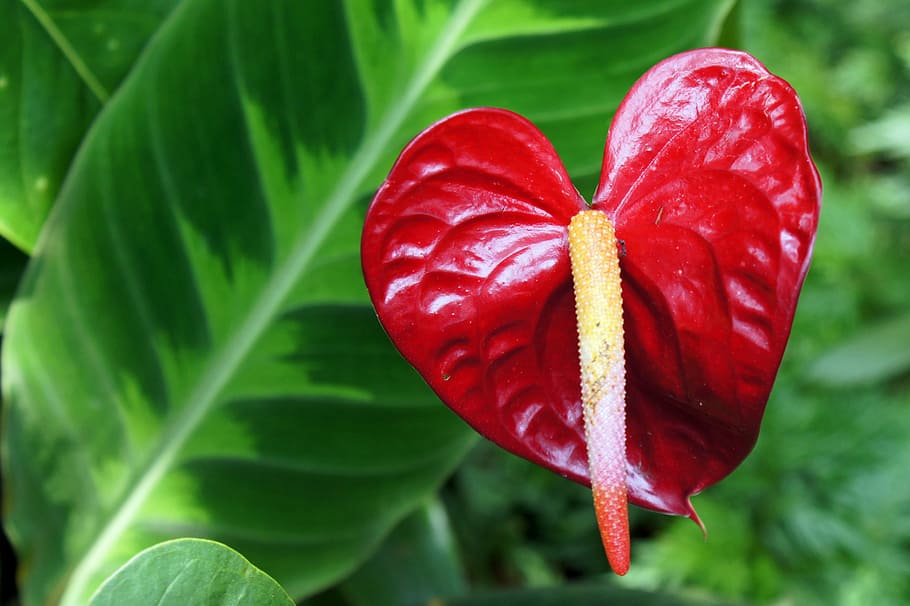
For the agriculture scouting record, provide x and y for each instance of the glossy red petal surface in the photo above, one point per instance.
(465, 256)
(708, 178)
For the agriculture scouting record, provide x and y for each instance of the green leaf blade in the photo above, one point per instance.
(417, 564)
(58, 67)
(190, 571)
(879, 353)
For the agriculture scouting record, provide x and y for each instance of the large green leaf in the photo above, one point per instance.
(190, 571)
(59, 64)
(192, 351)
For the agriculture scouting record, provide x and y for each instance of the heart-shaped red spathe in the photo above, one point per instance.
(708, 180)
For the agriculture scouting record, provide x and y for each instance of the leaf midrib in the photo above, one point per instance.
(225, 362)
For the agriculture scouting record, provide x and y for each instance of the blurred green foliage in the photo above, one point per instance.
(820, 512)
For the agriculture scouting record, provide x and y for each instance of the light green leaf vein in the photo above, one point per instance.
(74, 58)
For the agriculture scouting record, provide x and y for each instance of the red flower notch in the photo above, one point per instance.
(708, 183)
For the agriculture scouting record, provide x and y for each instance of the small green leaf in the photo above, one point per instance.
(193, 572)
(889, 135)
(878, 353)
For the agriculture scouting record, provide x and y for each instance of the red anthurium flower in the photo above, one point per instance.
(470, 246)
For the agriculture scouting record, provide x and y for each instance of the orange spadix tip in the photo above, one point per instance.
(601, 352)
(611, 509)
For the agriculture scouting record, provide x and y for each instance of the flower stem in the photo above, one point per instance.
(598, 307)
